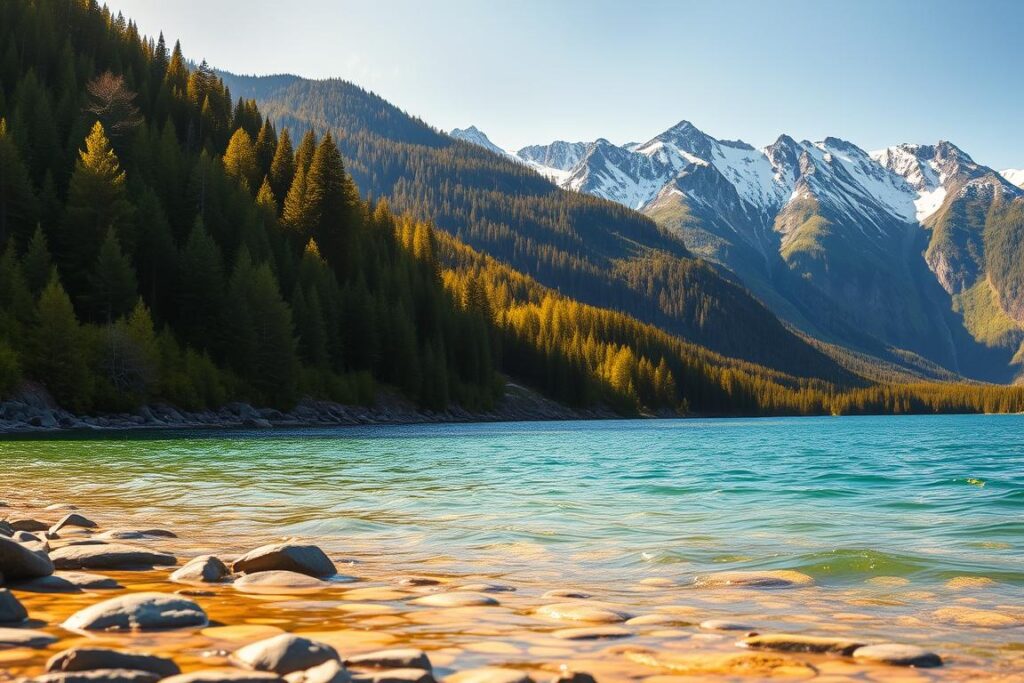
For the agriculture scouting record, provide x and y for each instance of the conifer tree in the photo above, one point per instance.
(330, 203)
(114, 287)
(240, 159)
(282, 167)
(295, 214)
(17, 201)
(266, 148)
(37, 264)
(305, 151)
(57, 354)
(201, 290)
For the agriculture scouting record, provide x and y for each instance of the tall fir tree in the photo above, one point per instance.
(240, 159)
(114, 289)
(282, 166)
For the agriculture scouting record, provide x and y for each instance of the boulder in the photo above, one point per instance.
(72, 519)
(225, 676)
(11, 611)
(23, 637)
(898, 655)
(291, 557)
(328, 672)
(91, 658)
(28, 525)
(98, 676)
(202, 569)
(68, 582)
(400, 658)
(138, 612)
(283, 654)
(108, 556)
(20, 562)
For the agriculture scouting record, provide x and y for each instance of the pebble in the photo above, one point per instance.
(72, 519)
(393, 676)
(278, 581)
(562, 593)
(20, 562)
(11, 610)
(573, 677)
(28, 525)
(135, 534)
(418, 581)
(724, 625)
(401, 658)
(283, 654)
(108, 556)
(489, 675)
(293, 557)
(68, 582)
(89, 658)
(328, 672)
(575, 611)
(98, 676)
(786, 642)
(783, 578)
(138, 612)
(592, 633)
(23, 637)
(455, 599)
(898, 655)
(487, 588)
(202, 569)
(657, 620)
(225, 676)
(969, 616)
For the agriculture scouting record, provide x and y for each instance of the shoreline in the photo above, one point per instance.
(480, 626)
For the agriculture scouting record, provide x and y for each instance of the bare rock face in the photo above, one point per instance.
(284, 654)
(18, 561)
(291, 557)
(138, 612)
(92, 658)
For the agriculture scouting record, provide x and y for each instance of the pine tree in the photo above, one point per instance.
(295, 214)
(201, 290)
(240, 159)
(114, 288)
(97, 203)
(305, 151)
(58, 356)
(266, 148)
(17, 202)
(331, 204)
(37, 263)
(282, 167)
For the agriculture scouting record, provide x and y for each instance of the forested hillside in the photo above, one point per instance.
(593, 250)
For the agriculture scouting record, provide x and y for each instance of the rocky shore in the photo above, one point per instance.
(87, 602)
(31, 409)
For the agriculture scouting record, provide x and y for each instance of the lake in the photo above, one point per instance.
(912, 528)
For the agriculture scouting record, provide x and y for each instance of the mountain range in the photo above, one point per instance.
(913, 248)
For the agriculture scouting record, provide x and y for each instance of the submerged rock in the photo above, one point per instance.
(225, 676)
(138, 612)
(898, 655)
(11, 610)
(724, 625)
(108, 556)
(786, 642)
(328, 672)
(399, 658)
(18, 561)
(292, 557)
(68, 582)
(457, 599)
(90, 658)
(73, 519)
(489, 675)
(581, 611)
(202, 569)
(284, 654)
(23, 637)
(782, 578)
(563, 593)
(278, 581)
(592, 633)
(98, 676)
(28, 524)
(134, 534)
(970, 616)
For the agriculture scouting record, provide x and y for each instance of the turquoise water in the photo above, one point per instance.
(843, 499)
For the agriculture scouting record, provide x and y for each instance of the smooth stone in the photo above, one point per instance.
(399, 658)
(134, 534)
(292, 557)
(418, 581)
(225, 676)
(28, 537)
(283, 654)
(20, 562)
(786, 642)
(393, 676)
(23, 637)
(202, 569)
(28, 525)
(783, 578)
(573, 677)
(73, 519)
(657, 620)
(489, 674)
(98, 676)
(5, 528)
(737, 666)
(898, 655)
(138, 612)
(55, 507)
(454, 599)
(969, 616)
(90, 658)
(487, 588)
(271, 581)
(68, 582)
(724, 625)
(11, 610)
(562, 593)
(108, 556)
(328, 672)
(577, 611)
(968, 582)
(592, 633)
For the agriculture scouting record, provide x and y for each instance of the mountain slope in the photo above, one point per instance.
(569, 241)
(870, 251)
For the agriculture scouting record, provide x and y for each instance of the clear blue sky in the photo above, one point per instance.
(876, 72)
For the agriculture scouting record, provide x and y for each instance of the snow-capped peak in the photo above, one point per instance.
(1014, 175)
(477, 137)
